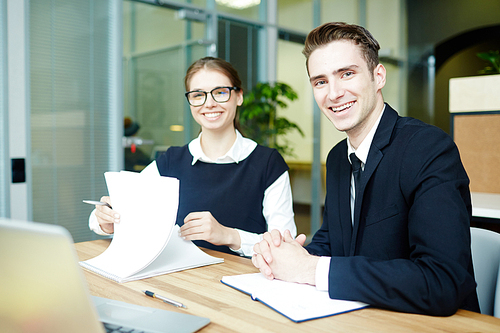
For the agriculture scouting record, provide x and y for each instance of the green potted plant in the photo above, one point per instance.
(258, 116)
(493, 57)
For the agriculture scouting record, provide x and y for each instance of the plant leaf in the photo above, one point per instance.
(257, 115)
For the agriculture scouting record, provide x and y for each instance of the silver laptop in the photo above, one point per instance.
(42, 289)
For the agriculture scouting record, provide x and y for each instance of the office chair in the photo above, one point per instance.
(496, 306)
(485, 246)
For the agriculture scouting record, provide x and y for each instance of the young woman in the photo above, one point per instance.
(231, 189)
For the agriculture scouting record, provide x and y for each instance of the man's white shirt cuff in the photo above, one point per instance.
(322, 272)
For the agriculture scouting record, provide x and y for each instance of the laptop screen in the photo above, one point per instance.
(42, 289)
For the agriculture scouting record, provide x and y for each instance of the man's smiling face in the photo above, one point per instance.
(345, 89)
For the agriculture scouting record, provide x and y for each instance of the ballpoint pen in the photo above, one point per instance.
(164, 299)
(100, 203)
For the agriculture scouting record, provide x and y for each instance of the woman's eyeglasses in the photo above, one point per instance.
(219, 94)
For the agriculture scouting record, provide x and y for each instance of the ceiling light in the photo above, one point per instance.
(177, 128)
(238, 4)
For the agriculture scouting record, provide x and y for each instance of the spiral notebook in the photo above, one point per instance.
(146, 242)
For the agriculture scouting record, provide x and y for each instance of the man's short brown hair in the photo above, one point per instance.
(334, 31)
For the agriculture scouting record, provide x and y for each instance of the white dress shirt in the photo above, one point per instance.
(277, 204)
(323, 266)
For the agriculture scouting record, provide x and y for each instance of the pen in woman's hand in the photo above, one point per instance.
(99, 203)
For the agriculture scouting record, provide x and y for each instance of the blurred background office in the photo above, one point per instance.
(71, 71)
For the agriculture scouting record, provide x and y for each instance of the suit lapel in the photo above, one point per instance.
(381, 139)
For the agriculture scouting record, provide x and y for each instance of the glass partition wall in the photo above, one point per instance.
(159, 46)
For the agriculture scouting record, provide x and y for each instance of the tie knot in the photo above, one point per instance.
(355, 162)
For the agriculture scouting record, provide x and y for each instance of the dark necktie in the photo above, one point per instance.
(356, 171)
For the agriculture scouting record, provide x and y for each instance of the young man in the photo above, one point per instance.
(398, 235)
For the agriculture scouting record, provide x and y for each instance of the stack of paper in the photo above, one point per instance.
(146, 241)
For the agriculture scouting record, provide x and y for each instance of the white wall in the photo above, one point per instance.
(17, 53)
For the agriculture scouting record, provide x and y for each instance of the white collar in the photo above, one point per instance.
(364, 147)
(242, 147)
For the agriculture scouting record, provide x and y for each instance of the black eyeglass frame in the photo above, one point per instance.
(211, 93)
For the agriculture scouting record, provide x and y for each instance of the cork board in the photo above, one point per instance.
(478, 139)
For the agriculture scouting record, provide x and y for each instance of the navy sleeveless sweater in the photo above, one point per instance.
(232, 192)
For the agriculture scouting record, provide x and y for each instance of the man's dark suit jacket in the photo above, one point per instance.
(409, 248)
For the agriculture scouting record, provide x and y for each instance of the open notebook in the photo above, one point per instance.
(146, 241)
(298, 302)
(43, 290)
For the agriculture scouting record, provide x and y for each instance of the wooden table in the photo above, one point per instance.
(232, 311)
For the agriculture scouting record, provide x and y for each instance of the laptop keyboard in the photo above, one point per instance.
(110, 328)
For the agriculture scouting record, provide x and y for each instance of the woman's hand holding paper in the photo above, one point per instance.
(203, 226)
